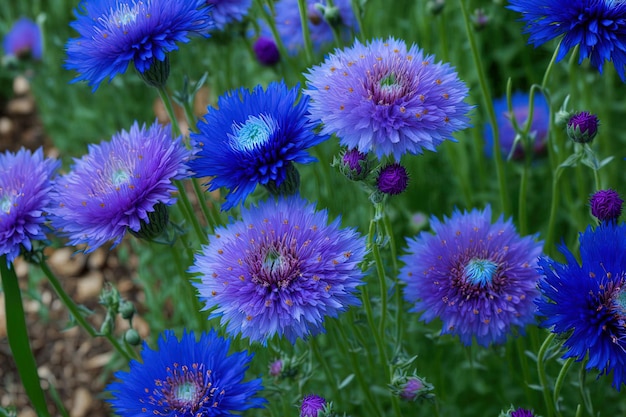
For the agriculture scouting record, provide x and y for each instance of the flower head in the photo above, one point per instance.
(252, 138)
(538, 128)
(582, 127)
(387, 99)
(355, 165)
(597, 27)
(289, 27)
(25, 184)
(392, 179)
(311, 405)
(186, 377)
(606, 205)
(520, 412)
(586, 302)
(117, 185)
(279, 271)
(478, 277)
(228, 11)
(24, 38)
(114, 33)
(266, 51)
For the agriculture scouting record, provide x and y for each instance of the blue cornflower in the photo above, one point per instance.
(118, 184)
(538, 128)
(586, 302)
(25, 184)
(24, 38)
(114, 33)
(228, 11)
(597, 27)
(280, 270)
(385, 98)
(251, 138)
(186, 377)
(478, 277)
(289, 27)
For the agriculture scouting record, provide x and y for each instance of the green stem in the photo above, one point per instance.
(497, 155)
(75, 311)
(559, 384)
(306, 34)
(330, 378)
(553, 209)
(18, 337)
(542, 373)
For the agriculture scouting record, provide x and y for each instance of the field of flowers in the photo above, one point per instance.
(337, 207)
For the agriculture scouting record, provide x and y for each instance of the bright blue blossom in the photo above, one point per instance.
(23, 38)
(385, 98)
(280, 270)
(186, 377)
(586, 302)
(228, 11)
(118, 184)
(114, 33)
(538, 128)
(25, 184)
(597, 27)
(478, 277)
(251, 138)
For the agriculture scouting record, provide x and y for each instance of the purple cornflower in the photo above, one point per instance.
(538, 128)
(25, 184)
(392, 179)
(228, 11)
(288, 25)
(387, 99)
(311, 405)
(478, 277)
(606, 205)
(24, 38)
(520, 412)
(582, 127)
(266, 51)
(280, 270)
(186, 377)
(276, 368)
(253, 137)
(586, 303)
(118, 184)
(355, 165)
(597, 27)
(114, 33)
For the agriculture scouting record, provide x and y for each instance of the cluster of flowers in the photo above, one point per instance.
(285, 267)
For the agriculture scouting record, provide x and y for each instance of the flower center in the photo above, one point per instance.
(620, 300)
(5, 204)
(254, 133)
(480, 272)
(119, 177)
(126, 14)
(185, 390)
(274, 264)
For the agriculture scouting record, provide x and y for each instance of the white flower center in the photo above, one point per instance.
(480, 271)
(254, 133)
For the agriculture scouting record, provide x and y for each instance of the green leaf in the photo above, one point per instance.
(18, 338)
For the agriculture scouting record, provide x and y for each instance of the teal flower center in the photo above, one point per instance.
(6, 204)
(389, 83)
(120, 177)
(255, 132)
(620, 300)
(186, 392)
(480, 272)
(273, 261)
(126, 14)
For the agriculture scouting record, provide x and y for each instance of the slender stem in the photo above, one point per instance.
(559, 384)
(497, 155)
(306, 34)
(330, 378)
(18, 338)
(169, 108)
(542, 373)
(75, 311)
(553, 208)
(380, 271)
